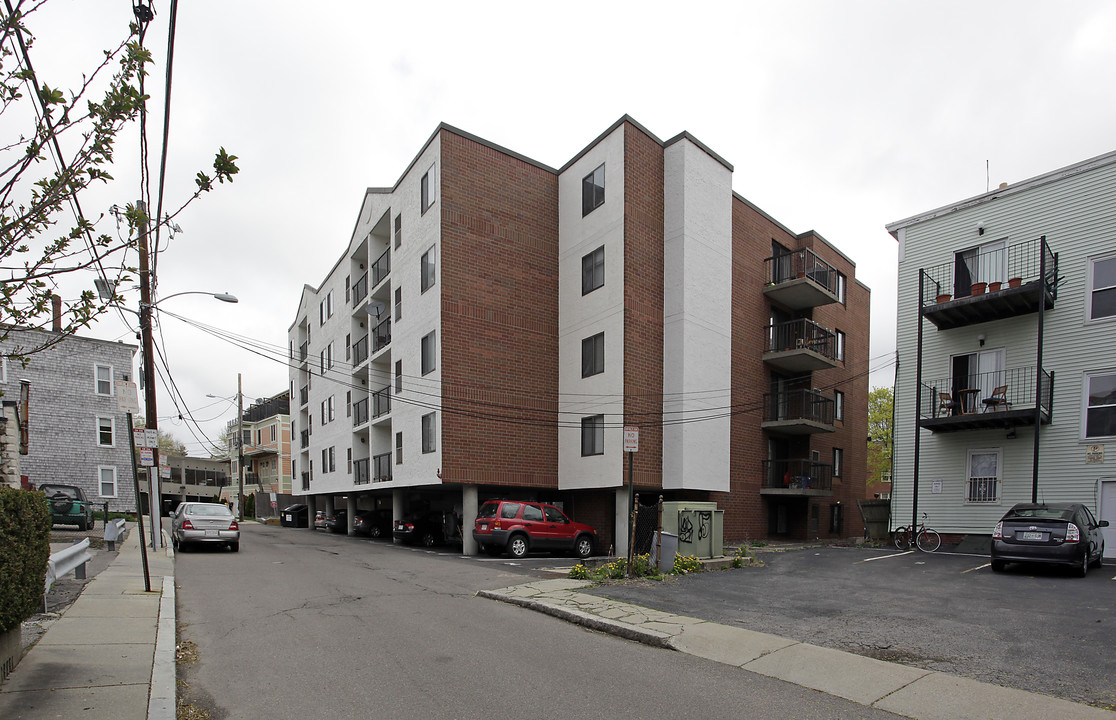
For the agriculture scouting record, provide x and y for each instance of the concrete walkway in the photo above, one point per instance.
(111, 653)
(900, 689)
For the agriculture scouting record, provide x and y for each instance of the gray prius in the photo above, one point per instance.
(204, 523)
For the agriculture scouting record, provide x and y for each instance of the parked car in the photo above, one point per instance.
(1058, 533)
(338, 522)
(426, 528)
(518, 527)
(204, 523)
(320, 520)
(373, 523)
(294, 516)
(68, 505)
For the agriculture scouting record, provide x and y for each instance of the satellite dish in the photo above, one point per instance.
(377, 307)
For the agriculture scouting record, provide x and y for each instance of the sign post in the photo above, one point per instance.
(631, 447)
(127, 402)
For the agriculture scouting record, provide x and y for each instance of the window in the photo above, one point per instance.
(1102, 288)
(398, 376)
(841, 288)
(259, 437)
(398, 231)
(321, 363)
(838, 457)
(592, 355)
(1100, 404)
(985, 263)
(398, 304)
(348, 461)
(533, 513)
(592, 435)
(271, 432)
(325, 459)
(592, 191)
(428, 189)
(329, 356)
(349, 403)
(838, 405)
(330, 407)
(332, 459)
(840, 354)
(103, 376)
(105, 427)
(592, 271)
(106, 477)
(428, 350)
(348, 288)
(399, 448)
(325, 308)
(984, 476)
(428, 430)
(427, 269)
(4, 369)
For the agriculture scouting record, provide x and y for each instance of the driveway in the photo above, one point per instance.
(1036, 629)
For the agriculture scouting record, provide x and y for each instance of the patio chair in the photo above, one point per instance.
(946, 403)
(997, 400)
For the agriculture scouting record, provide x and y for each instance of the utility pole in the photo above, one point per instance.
(240, 446)
(154, 497)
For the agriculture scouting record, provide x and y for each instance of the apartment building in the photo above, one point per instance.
(494, 324)
(265, 429)
(76, 435)
(1006, 390)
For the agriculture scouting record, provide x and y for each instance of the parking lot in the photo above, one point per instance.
(1037, 629)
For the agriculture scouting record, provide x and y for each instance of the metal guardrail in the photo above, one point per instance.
(1010, 265)
(114, 531)
(803, 262)
(63, 562)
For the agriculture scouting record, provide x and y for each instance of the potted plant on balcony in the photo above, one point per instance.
(994, 286)
(944, 297)
(979, 288)
(1015, 282)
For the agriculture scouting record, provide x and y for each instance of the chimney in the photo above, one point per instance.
(56, 301)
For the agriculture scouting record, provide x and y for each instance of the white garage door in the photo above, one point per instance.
(1108, 512)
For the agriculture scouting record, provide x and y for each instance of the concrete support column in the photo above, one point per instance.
(621, 522)
(468, 518)
(350, 515)
(396, 507)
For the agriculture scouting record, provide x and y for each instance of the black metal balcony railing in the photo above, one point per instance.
(304, 439)
(1017, 264)
(803, 263)
(808, 405)
(970, 397)
(303, 395)
(303, 351)
(381, 268)
(381, 467)
(381, 335)
(360, 472)
(305, 481)
(360, 289)
(801, 334)
(360, 351)
(360, 412)
(797, 474)
(381, 401)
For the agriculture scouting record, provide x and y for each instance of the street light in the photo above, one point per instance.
(239, 447)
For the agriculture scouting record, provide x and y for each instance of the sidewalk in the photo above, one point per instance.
(901, 689)
(111, 654)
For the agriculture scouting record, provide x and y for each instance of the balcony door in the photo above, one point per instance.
(980, 371)
(985, 263)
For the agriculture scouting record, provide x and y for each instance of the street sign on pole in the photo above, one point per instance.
(631, 439)
(147, 458)
(146, 438)
(127, 398)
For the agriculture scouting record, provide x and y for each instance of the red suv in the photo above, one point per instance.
(519, 527)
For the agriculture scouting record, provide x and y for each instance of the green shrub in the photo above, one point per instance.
(24, 552)
(579, 572)
(684, 564)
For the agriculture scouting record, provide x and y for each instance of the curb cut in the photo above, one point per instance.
(593, 622)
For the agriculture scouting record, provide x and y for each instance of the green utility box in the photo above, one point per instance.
(700, 527)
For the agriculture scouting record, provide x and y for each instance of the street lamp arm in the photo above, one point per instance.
(223, 297)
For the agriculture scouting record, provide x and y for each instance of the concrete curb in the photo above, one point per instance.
(162, 700)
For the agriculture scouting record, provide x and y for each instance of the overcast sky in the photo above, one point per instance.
(838, 117)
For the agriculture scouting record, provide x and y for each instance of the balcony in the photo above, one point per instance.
(800, 280)
(360, 472)
(381, 336)
(303, 351)
(381, 467)
(360, 290)
(381, 401)
(990, 285)
(303, 395)
(360, 412)
(304, 439)
(800, 346)
(797, 478)
(971, 402)
(305, 481)
(381, 268)
(360, 351)
(797, 412)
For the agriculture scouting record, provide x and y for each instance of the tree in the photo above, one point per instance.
(880, 403)
(222, 449)
(41, 184)
(170, 445)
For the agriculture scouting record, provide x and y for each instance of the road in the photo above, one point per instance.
(301, 624)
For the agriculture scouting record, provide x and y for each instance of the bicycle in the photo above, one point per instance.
(926, 540)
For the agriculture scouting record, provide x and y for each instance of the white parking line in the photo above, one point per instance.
(884, 557)
(978, 567)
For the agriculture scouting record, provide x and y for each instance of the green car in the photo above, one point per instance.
(68, 506)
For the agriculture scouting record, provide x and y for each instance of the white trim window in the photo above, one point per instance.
(426, 281)
(106, 481)
(106, 431)
(102, 380)
(593, 190)
(429, 434)
(3, 370)
(1100, 405)
(428, 188)
(838, 405)
(428, 353)
(983, 472)
(1100, 295)
(592, 435)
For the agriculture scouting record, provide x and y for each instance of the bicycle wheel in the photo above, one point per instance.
(902, 538)
(929, 541)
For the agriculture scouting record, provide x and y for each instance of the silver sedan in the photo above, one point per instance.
(198, 522)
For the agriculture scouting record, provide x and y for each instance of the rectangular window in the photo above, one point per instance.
(592, 355)
(593, 190)
(428, 442)
(348, 289)
(841, 288)
(349, 461)
(427, 270)
(1100, 404)
(271, 432)
(398, 376)
(329, 356)
(329, 304)
(592, 435)
(428, 353)
(349, 403)
(325, 460)
(592, 271)
(321, 363)
(398, 304)
(4, 369)
(838, 457)
(838, 405)
(348, 347)
(399, 448)
(259, 437)
(984, 476)
(103, 377)
(840, 345)
(332, 459)
(398, 231)
(330, 407)
(1101, 296)
(324, 421)
(428, 189)
(105, 431)
(106, 477)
